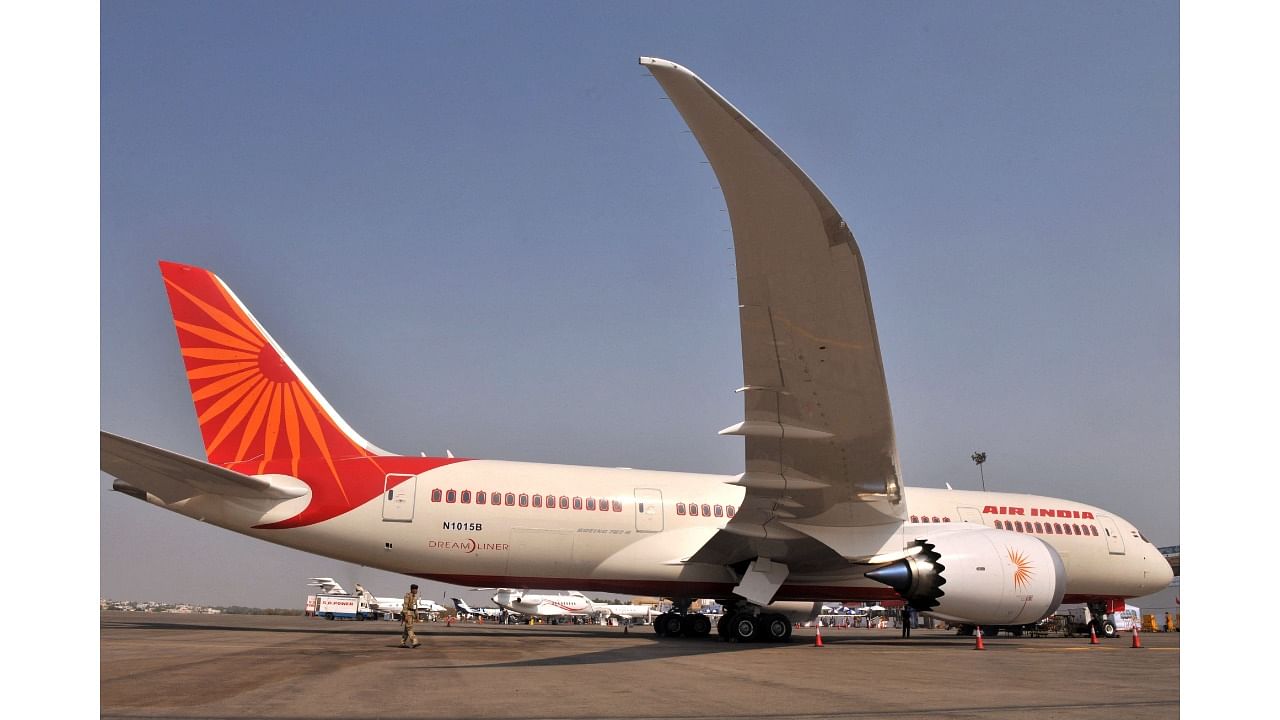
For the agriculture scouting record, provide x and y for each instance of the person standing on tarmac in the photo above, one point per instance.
(409, 613)
(906, 621)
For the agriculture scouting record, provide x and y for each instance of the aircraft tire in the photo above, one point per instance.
(672, 625)
(777, 628)
(660, 625)
(747, 628)
(697, 626)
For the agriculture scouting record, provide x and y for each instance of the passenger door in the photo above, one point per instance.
(648, 510)
(1115, 543)
(397, 497)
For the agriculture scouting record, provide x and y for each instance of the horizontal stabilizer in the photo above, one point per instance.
(172, 477)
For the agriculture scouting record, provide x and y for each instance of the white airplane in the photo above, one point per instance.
(572, 604)
(485, 612)
(328, 586)
(389, 605)
(820, 511)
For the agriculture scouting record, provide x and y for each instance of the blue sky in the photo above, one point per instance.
(479, 227)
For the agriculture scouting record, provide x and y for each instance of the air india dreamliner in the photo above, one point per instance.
(820, 511)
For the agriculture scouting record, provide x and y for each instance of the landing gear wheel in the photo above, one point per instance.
(777, 628)
(659, 624)
(1109, 629)
(746, 628)
(697, 626)
(672, 624)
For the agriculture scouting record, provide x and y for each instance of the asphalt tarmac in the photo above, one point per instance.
(243, 666)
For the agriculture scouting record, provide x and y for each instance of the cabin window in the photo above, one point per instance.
(728, 510)
(551, 501)
(524, 499)
(1093, 530)
(935, 518)
(1057, 528)
(679, 508)
(693, 509)
(617, 506)
(577, 503)
(564, 502)
(1039, 528)
(998, 525)
(1076, 528)
(915, 518)
(1017, 525)
(924, 518)
(537, 501)
(436, 494)
(466, 497)
(591, 503)
(481, 497)
(511, 498)
(451, 496)
(706, 510)
(604, 505)
(946, 519)
(495, 498)
(719, 510)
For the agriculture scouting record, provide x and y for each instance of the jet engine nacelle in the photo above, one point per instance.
(979, 576)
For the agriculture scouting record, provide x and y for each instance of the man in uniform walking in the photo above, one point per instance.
(409, 613)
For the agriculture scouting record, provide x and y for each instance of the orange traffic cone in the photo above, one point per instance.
(979, 645)
(1093, 636)
(1136, 642)
(817, 639)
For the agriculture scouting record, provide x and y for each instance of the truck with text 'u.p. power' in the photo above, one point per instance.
(344, 607)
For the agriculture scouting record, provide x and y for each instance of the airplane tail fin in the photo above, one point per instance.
(253, 404)
(328, 586)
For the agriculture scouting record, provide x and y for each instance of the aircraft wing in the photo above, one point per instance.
(822, 473)
(173, 477)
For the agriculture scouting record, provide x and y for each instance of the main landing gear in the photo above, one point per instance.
(682, 623)
(750, 625)
(674, 624)
(741, 622)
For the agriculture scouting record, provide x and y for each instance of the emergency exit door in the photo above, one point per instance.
(648, 510)
(397, 497)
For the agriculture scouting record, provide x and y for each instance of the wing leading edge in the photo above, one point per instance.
(821, 458)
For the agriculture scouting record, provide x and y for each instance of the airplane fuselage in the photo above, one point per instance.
(512, 524)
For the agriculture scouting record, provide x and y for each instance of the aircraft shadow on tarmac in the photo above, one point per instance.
(662, 648)
(651, 646)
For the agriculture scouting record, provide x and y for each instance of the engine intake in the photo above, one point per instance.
(978, 575)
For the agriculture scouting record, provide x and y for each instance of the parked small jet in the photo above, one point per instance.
(572, 604)
(486, 612)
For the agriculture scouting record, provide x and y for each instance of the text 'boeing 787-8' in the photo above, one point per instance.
(820, 511)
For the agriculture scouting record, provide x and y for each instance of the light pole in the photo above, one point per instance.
(978, 458)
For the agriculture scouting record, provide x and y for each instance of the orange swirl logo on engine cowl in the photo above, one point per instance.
(1022, 568)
